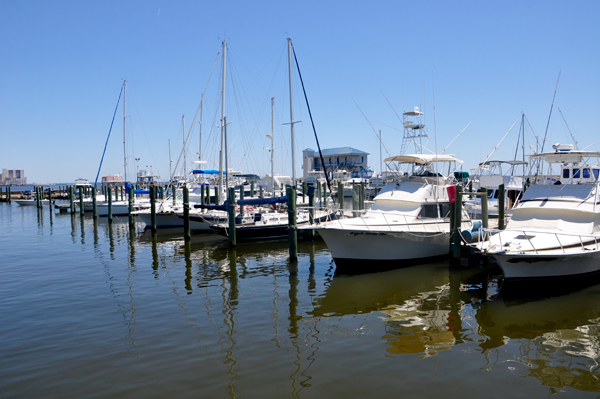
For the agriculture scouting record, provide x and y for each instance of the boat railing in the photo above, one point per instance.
(585, 240)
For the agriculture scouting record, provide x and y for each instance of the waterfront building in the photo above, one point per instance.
(13, 176)
(341, 158)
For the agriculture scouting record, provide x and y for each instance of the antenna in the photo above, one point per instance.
(575, 141)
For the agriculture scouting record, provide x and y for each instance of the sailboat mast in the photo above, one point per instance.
(124, 135)
(292, 113)
(272, 146)
(184, 147)
(222, 122)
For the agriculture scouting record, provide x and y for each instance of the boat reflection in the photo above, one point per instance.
(558, 337)
(421, 306)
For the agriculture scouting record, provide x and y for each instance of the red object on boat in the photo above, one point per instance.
(451, 194)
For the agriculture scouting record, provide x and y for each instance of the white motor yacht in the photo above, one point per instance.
(555, 228)
(408, 222)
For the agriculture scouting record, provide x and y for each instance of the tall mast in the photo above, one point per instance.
(272, 137)
(292, 113)
(184, 148)
(222, 122)
(124, 135)
(170, 162)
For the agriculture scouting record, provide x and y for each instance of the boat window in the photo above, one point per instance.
(496, 194)
(428, 211)
(576, 173)
(566, 173)
(586, 173)
(490, 193)
(596, 173)
(444, 210)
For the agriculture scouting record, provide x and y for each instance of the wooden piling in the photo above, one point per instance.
(81, 209)
(457, 223)
(242, 196)
(131, 200)
(355, 205)
(484, 208)
(292, 227)
(109, 194)
(72, 199)
(186, 214)
(501, 201)
(153, 207)
(311, 210)
(231, 216)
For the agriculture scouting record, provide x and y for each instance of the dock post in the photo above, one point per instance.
(217, 196)
(202, 195)
(186, 213)
(362, 195)
(501, 201)
(131, 199)
(50, 197)
(174, 194)
(109, 196)
(252, 189)
(341, 197)
(457, 222)
(324, 203)
(94, 203)
(304, 188)
(8, 194)
(292, 227)
(484, 208)
(81, 210)
(72, 198)
(231, 216)
(311, 210)
(242, 196)
(153, 207)
(355, 205)
(260, 191)
(318, 191)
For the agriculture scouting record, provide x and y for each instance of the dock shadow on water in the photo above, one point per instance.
(97, 309)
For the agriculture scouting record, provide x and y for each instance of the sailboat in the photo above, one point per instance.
(270, 223)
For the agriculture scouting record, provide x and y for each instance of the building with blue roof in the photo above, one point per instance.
(341, 158)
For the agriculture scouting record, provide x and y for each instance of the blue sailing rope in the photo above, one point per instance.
(109, 130)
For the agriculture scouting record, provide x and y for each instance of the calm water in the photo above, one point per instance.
(90, 310)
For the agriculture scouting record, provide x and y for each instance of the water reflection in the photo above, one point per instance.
(558, 336)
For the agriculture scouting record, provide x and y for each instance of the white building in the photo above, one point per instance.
(346, 158)
(13, 176)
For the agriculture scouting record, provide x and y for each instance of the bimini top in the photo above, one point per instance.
(574, 156)
(423, 158)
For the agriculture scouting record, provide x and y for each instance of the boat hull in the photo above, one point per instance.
(548, 266)
(383, 249)
(30, 202)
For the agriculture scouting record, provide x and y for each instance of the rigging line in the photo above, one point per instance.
(109, 130)
(192, 124)
(453, 140)
(391, 106)
(374, 131)
(573, 137)
(311, 118)
(497, 145)
(549, 116)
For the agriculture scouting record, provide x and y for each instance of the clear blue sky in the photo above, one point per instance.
(62, 64)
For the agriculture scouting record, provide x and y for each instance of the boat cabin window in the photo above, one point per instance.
(444, 210)
(576, 173)
(566, 173)
(596, 173)
(490, 192)
(428, 211)
(586, 173)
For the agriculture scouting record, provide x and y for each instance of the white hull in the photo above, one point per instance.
(163, 219)
(548, 265)
(30, 202)
(383, 246)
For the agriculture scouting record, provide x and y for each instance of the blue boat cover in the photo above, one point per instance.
(208, 172)
(263, 201)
